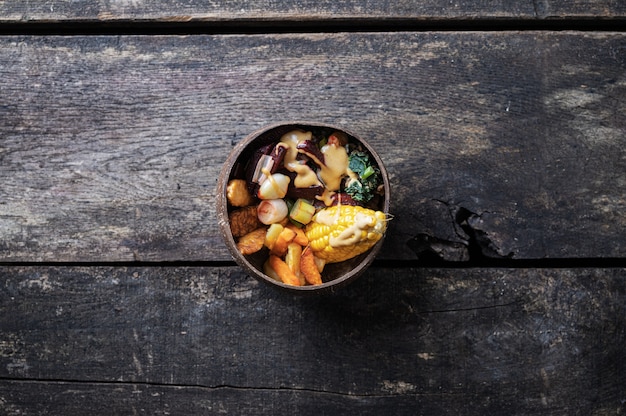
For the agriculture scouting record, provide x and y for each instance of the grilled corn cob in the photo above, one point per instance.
(342, 232)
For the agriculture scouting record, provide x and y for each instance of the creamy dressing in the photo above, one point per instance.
(326, 197)
(353, 234)
(326, 218)
(331, 172)
(335, 167)
(351, 177)
(305, 176)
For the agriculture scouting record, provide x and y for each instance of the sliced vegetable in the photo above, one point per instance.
(307, 193)
(342, 198)
(271, 211)
(302, 211)
(274, 187)
(369, 171)
(283, 271)
(285, 237)
(272, 234)
(311, 150)
(268, 158)
(292, 258)
(300, 237)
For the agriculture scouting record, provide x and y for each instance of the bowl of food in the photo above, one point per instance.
(303, 206)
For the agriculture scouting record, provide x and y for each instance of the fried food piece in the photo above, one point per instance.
(272, 235)
(300, 237)
(309, 268)
(243, 221)
(268, 270)
(285, 237)
(252, 242)
(283, 271)
(237, 193)
(292, 258)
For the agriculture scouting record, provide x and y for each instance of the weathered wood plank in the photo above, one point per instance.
(209, 11)
(288, 10)
(69, 398)
(576, 8)
(448, 341)
(509, 143)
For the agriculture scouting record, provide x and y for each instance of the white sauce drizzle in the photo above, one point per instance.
(352, 234)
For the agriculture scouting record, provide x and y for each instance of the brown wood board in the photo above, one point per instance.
(510, 144)
(444, 341)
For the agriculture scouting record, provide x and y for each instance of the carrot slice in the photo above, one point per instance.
(300, 237)
(285, 237)
(283, 271)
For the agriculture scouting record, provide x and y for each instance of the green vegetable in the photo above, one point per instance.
(367, 172)
(302, 211)
(363, 189)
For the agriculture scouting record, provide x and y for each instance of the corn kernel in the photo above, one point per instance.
(342, 232)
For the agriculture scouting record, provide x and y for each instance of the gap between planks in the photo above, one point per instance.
(430, 262)
(309, 25)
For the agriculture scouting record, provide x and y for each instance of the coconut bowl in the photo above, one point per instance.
(334, 275)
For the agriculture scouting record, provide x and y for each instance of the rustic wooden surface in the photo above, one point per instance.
(111, 146)
(501, 287)
(398, 341)
(303, 11)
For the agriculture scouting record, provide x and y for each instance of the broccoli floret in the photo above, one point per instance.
(363, 189)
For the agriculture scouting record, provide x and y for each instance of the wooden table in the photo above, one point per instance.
(501, 286)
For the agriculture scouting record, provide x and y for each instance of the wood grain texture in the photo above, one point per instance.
(238, 10)
(511, 144)
(412, 341)
(284, 10)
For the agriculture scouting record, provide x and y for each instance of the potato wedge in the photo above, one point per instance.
(269, 270)
(283, 271)
(292, 258)
(272, 234)
(301, 237)
(285, 237)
